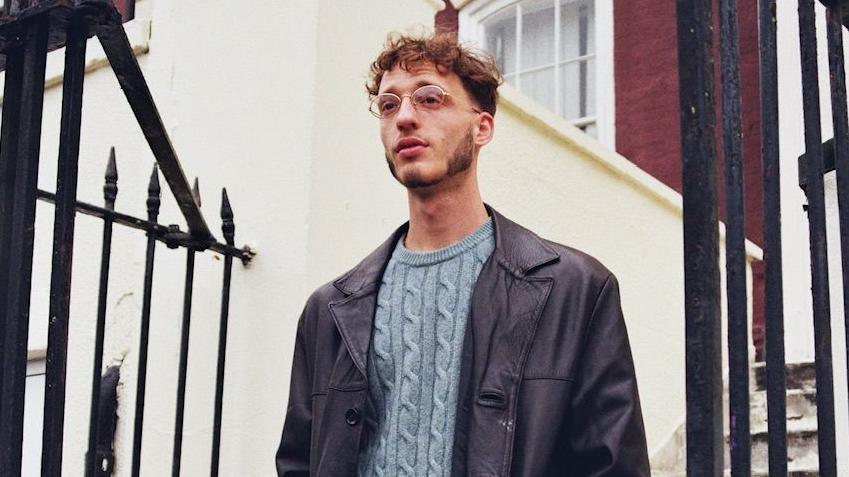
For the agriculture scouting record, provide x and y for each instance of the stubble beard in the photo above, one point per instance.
(460, 161)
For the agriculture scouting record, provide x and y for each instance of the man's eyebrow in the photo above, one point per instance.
(419, 84)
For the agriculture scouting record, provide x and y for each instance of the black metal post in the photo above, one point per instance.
(184, 347)
(184, 361)
(776, 391)
(63, 245)
(819, 253)
(153, 201)
(110, 192)
(701, 240)
(834, 16)
(8, 165)
(735, 246)
(229, 229)
(25, 68)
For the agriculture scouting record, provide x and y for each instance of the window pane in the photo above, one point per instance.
(573, 87)
(500, 34)
(577, 28)
(537, 33)
(578, 89)
(539, 85)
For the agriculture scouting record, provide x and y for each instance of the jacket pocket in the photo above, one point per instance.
(493, 398)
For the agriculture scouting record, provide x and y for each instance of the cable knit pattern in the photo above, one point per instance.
(414, 362)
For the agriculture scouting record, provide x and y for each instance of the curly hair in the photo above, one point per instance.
(476, 69)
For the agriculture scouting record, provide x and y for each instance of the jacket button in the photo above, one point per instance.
(352, 416)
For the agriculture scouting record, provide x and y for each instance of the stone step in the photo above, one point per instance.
(798, 376)
(802, 458)
(755, 473)
(801, 450)
(801, 410)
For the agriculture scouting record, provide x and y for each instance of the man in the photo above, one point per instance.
(464, 344)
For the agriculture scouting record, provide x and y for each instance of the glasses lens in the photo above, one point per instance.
(385, 104)
(430, 97)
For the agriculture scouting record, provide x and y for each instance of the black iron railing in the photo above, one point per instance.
(704, 379)
(29, 29)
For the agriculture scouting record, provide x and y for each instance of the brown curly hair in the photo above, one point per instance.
(476, 69)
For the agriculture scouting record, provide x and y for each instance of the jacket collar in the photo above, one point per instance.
(516, 248)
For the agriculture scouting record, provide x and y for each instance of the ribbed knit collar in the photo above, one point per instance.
(405, 255)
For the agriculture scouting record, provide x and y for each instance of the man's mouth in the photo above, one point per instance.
(410, 147)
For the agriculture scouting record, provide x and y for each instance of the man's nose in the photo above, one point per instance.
(407, 115)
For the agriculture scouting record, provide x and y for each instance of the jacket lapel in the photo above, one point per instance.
(506, 307)
(354, 314)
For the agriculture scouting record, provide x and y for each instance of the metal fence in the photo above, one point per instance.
(28, 31)
(704, 381)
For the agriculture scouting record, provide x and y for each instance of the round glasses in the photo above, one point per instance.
(428, 97)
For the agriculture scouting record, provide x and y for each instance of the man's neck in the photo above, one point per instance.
(439, 220)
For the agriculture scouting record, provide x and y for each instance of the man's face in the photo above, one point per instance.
(425, 148)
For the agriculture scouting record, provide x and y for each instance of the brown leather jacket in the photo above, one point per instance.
(547, 383)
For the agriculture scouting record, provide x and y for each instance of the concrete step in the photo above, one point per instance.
(801, 450)
(801, 410)
(802, 454)
(802, 458)
(755, 473)
(798, 376)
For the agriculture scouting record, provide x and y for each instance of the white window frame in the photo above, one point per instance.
(474, 12)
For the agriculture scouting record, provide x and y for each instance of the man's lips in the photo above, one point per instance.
(411, 151)
(410, 147)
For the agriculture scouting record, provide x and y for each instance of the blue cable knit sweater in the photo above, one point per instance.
(414, 360)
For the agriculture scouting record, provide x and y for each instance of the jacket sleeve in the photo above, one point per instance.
(606, 435)
(293, 454)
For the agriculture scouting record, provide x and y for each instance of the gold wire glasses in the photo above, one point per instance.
(428, 97)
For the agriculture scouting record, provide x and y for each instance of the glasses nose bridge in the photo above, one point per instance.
(413, 106)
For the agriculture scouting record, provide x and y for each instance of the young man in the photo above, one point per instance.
(464, 345)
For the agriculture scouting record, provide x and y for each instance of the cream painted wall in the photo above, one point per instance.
(269, 101)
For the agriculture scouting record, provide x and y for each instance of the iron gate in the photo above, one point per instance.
(702, 279)
(29, 29)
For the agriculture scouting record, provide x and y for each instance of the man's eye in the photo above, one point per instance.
(387, 107)
(429, 100)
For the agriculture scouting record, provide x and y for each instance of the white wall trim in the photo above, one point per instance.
(541, 117)
(605, 83)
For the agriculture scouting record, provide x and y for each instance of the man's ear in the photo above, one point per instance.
(484, 130)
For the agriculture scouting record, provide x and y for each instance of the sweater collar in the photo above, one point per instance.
(516, 248)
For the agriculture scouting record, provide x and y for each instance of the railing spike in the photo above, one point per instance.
(227, 225)
(110, 188)
(153, 194)
(196, 191)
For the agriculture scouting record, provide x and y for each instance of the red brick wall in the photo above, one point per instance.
(647, 111)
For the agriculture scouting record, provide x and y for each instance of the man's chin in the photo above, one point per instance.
(417, 181)
(411, 177)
